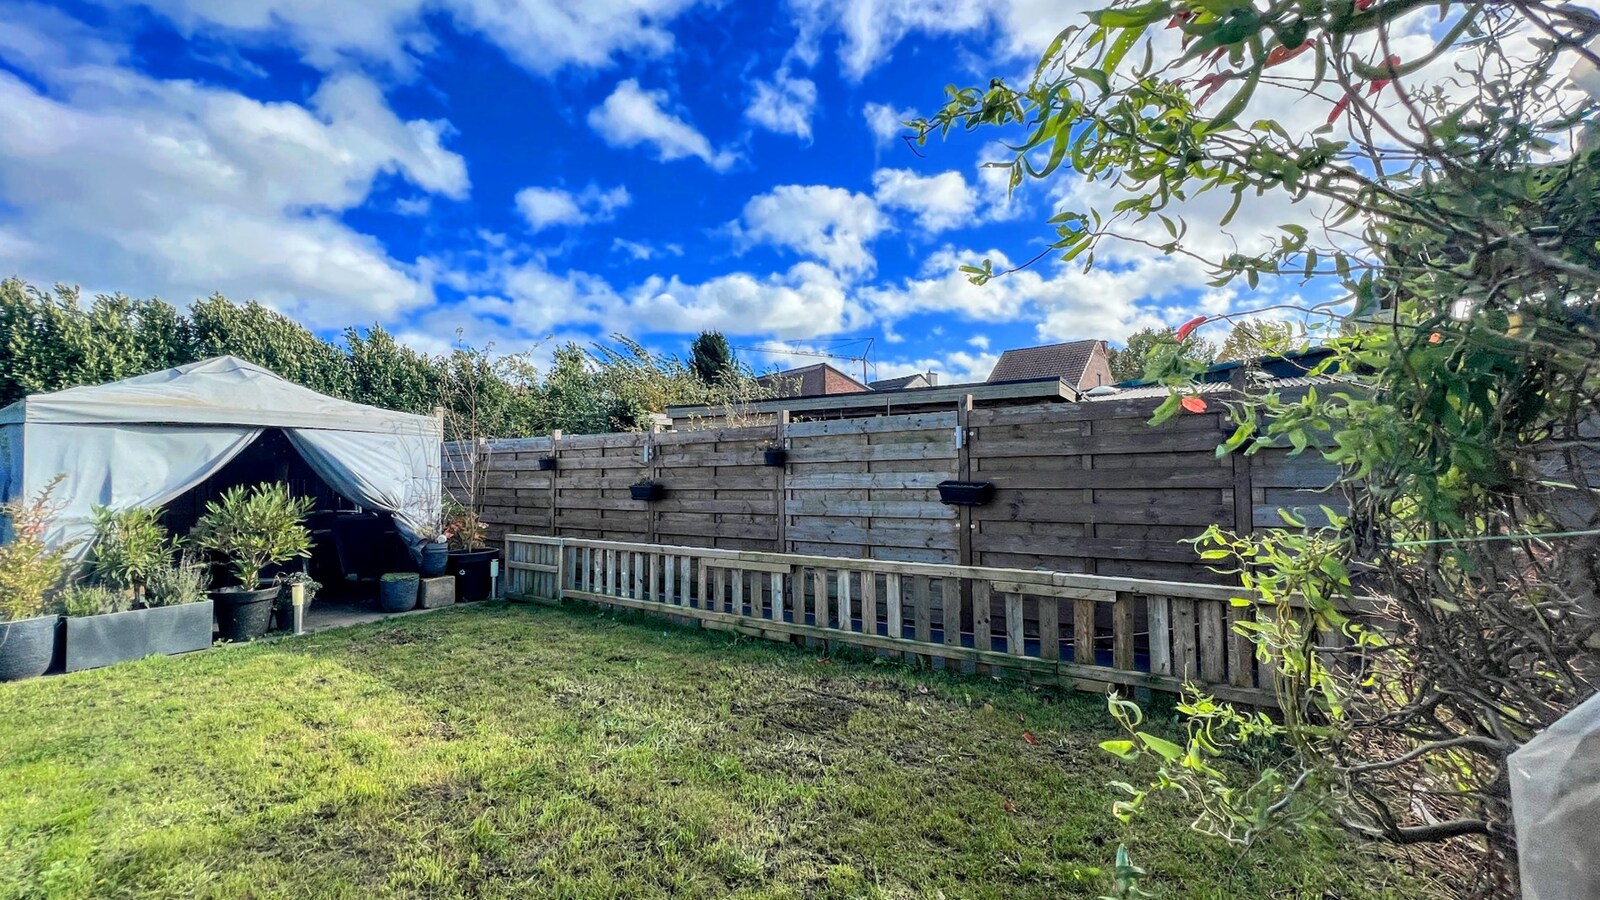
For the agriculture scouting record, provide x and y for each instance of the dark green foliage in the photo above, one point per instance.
(50, 340)
(711, 359)
(1128, 364)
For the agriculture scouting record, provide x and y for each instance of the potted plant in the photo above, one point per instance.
(470, 560)
(774, 453)
(144, 603)
(645, 489)
(285, 603)
(30, 571)
(966, 493)
(397, 591)
(252, 529)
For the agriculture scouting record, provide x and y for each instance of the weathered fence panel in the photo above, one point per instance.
(1087, 488)
(1043, 625)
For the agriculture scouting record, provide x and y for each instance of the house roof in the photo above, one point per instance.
(916, 379)
(1060, 360)
(817, 380)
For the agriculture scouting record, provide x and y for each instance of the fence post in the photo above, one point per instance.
(555, 442)
(782, 491)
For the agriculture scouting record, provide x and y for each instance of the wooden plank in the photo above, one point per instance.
(878, 509)
(1050, 628)
(832, 481)
(778, 579)
(736, 590)
(652, 562)
(895, 604)
(1083, 632)
(874, 425)
(950, 610)
(1122, 632)
(1241, 650)
(1213, 645)
(1063, 591)
(1185, 653)
(1014, 635)
(845, 607)
(921, 609)
(982, 627)
(869, 602)
(1158, 611)
(819, 596)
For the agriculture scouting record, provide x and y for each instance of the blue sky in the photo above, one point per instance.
(552, 169)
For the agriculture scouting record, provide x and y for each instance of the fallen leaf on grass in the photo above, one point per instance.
(1011, 807)
(1028, 736)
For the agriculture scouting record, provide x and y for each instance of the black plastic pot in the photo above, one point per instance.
(547, 463)
(774, 456)
(28, 647)
(244, 615)
(647, 491)
(435, 558)
(95, 641)
(471, 569)
(396, 595)
(966, 493)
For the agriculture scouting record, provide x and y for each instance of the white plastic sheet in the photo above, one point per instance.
(1555, 805)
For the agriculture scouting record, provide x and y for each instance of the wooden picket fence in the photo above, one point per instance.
(1083, 631)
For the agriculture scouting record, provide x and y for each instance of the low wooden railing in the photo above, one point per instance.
(1082, 630)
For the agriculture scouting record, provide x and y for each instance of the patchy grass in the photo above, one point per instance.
(514, 751)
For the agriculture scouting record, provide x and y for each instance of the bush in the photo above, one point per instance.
(255, 528)
(94, 600)
(29, 570)
(128, 546)
(170, 584)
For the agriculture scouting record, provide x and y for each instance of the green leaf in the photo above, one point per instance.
(1164, 748)
(1120, 749)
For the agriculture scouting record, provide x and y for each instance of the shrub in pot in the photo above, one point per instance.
(252, 529)
(470, 560)
(397, 591)
(128, 546)
(30, 571)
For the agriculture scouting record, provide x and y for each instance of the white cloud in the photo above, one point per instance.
(641, 251)
(939, 202)
(827, 223)
(885, 122)
(632, 116)
(413, 206)
(784, 104)
(525, 299)
(124, 182)
(543, 207)
(955, 367)
(981, 341)
(539, 35)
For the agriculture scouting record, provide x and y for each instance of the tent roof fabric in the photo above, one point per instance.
(224, 390)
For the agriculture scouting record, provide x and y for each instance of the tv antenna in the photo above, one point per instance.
(863, 357)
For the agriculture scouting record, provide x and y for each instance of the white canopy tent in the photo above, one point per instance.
(144, 441)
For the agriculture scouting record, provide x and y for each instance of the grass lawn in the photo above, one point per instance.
(492, 751)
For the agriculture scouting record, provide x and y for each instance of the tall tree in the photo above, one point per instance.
(1128, 363)
(711, 359)
(1458, 217)
(1254, 338)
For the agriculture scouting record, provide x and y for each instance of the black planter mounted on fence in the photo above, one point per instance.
(966, 493)
(547, 463)
(774, 456)
(646, 490)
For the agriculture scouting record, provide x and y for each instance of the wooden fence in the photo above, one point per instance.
(1083, 631)
(1086, 488)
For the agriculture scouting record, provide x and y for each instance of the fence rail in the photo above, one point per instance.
(1084, 631)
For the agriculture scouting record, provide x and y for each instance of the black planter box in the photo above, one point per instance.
(774, 456)
(95, 641)
(547, 463)
(471, 569)
(647, 491)
(966, 493)
(28, 647)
